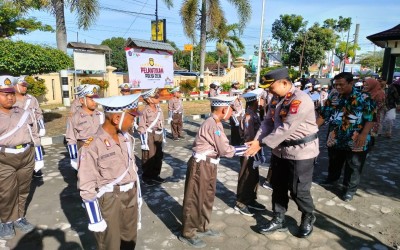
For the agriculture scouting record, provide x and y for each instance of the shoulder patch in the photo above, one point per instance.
(88, 141)
(294, 106)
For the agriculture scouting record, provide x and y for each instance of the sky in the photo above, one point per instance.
(373, 17)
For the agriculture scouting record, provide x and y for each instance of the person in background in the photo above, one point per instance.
(249, 176)
(209, 144)
(297, 85)
(252, 86)
(125, 88)
(29, 103)
(18, 132)
(84, 123)
(359, 85)
(373, 88)
(308, 88)
(323, 95)
(152, 136)
(108, 180)
(236, 115)
(213, 89)
(175, 114)
(392, 104)
(351, 115)
(290, 130)
(76, 104)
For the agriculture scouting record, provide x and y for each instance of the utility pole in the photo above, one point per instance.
(260, 45)
(374, 59)
(157, 20)
(302, 53)
(347, 47)
(356, 40)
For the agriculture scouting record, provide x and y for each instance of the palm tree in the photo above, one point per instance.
(86, 12)
(211, 15)
(226, 38)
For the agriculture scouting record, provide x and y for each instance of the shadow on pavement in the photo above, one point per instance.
(34, 240)
(71, 204)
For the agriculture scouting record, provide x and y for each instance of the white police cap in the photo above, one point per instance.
(22, 81)
(359, 84)
(125, 86)
(222, 101)
(118, 104)
(308, 85)
(216, 83)
(79, 88)
(7, 84)
(316, 86)
(252, 95)
(150, 93)
(296, 84)
(90, 90)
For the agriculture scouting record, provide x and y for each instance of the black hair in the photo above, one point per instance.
(344, 75)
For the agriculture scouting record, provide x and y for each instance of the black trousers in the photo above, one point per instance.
(294, 176)
(235, 135)
(353, 163)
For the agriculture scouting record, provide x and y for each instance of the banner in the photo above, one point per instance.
(150, 68)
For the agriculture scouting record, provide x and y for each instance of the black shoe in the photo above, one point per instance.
(210, 233)
(23, 225)
(181, 137)
(38, 174)
(148, 182)
(158, 179)
(276, 224)
(347, 197)
(7, 231)
(257, 206)
(243, 210)
(306, 226)
(329, 182)
(195, 242)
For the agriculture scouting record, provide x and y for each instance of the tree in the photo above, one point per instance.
(285, 30)
(211, 15)
(118, 57)
(372, 60)
(86, 12)
(36, 86)
(20, 58)
(345, 50)
(13, 22)
(227, 39)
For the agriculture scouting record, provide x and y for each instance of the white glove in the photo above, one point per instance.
(169, 120)
(42, 132)
(38, 165)
(74, 164)
(98, 227)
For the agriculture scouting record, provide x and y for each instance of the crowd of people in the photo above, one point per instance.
(280, 115)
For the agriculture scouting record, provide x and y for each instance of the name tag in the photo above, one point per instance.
(107, 155)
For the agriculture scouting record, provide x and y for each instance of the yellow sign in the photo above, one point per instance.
(188, 47)
(160, 37)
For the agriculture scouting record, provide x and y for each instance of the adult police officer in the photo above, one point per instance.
(18, 132)
(290, 130)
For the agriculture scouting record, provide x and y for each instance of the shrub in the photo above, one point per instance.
(36, 86)
(226, 86)
(101, 83)
(188, 86)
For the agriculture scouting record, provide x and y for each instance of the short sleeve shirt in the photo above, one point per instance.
(347, 117)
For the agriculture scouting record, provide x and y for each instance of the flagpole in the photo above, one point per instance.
(260, 45)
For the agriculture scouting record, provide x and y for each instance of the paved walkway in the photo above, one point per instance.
(370, 221)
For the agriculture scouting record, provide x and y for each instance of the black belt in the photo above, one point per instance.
(303, 140)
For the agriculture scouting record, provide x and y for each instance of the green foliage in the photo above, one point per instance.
(118, 57)
(20, 58)
(101, 83)
(372, 59)
(36, 86)
(13, 22)
(188, 86)
(286, 28)
(226, 86)
(343, 47)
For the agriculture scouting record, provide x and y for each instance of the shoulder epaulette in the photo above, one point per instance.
(88, 141)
